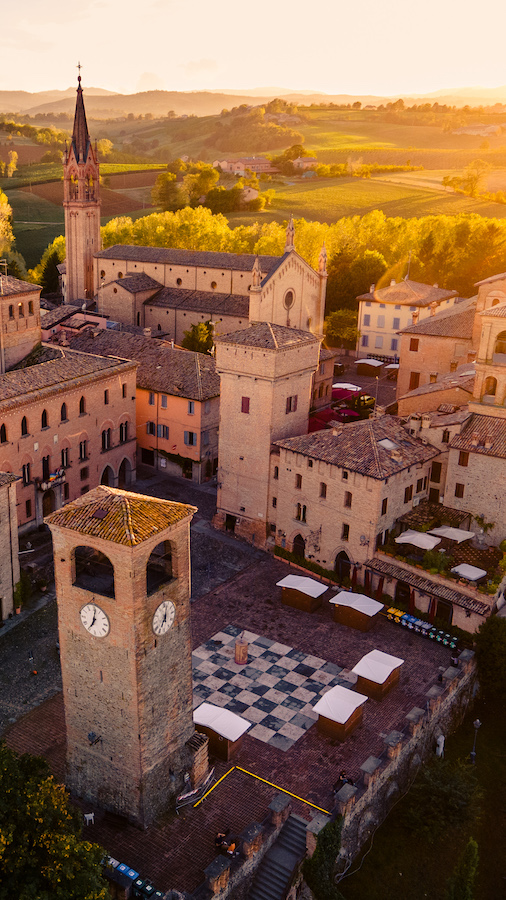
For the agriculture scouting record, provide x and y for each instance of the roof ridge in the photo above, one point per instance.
(273, 336)
(127, 518)
(374, 447)
(199, 376)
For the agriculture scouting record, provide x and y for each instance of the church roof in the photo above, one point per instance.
(138, 281)
(180, 373)
(201, 301)
(491, 279)
(119, 516)
(377, 448)
(80, 134)
(11, 285)
(173, 256)
(268, 336)
(55, 316)
(409, 293)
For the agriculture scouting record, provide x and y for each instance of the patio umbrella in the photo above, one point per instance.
(453, 534)
(418, 539)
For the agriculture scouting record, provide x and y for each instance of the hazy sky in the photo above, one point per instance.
(336, 46)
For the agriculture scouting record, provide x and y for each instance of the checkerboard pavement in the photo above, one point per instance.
(275, 690)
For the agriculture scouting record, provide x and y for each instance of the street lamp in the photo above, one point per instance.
(472, 755)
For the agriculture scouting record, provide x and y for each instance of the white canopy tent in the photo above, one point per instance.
(360, 602)
(377, 363)
(377, 666)
(305, 585)
(346, 386)
(472, 573)
(225, 723)
(418, 539)
(453, 534)
(392, 367)
(339, 704)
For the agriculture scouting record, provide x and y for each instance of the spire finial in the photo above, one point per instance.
(290, 236)
(256, 274)
(79, 67)
(322, 260)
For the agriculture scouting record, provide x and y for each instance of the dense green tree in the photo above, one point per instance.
(340, 328)
(491, 657)
(351, 275)
(6, 235)
(199, 338)
(444, 795)
(461, 882)
(42, 854)
(167, 192)
(45, 273)
(196, 185)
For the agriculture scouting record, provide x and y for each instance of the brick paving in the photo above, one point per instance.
(174, 852)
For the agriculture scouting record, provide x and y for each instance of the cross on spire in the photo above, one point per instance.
(79, 67)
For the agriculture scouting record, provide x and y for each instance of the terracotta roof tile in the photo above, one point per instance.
(48, 319)
(138, 281)
(11, 285)
(171, 255)
(462, 378)
(382, 567)
(454, 322)
(357, 447)
(268, 336)
(482, 434)
(409, 293)
(129, 518)
(498, 312)
(180, 373)
(54, 375)
(201, 301)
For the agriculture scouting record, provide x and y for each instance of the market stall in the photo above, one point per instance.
(340, 712)
(377, 673)
(355, 610)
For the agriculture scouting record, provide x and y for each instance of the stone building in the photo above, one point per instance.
(9, 559)
(66, 425)
(81, 203)
(19, 320)
(383, 312)
(266, 375)
(335, 495)
(178, 401)
(122, 570)
(436, 346)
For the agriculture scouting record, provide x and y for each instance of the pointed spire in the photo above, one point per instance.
(256, 274)
(290, 236)
(80, 134)
(322, 260)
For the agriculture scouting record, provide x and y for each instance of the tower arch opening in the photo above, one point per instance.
(159, 569)
(93, 571)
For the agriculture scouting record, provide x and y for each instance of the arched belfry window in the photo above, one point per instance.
(82, 406)
(159, 569)
(93, 571)
(43, 419)
(500, 347)
(24, 426)
(63, 412)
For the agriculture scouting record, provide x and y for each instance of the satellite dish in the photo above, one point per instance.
(363, 538)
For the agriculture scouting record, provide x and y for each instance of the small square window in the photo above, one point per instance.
(459, 491)
(446, 436)
(408, 493)
(463, 458)
(345, 533)
(245, 405)
(345, 475)
(413, 345)
(274, 502)
(384, 506)
(84, 473)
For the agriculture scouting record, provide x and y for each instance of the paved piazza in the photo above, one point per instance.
(276, 689)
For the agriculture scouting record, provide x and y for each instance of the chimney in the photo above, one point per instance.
(146, 331)
(475, 440)
(415, 316)
(172, 345)
(392, 282)
(371, 289)
(435, 285)
(433, 307)
(488, 442)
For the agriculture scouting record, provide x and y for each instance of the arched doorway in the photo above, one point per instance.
(107, 477)
(342, 565)
(48, 503)
(402, 593)
(299, 546)
(125, 474)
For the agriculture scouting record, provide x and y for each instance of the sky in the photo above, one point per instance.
(335, 46)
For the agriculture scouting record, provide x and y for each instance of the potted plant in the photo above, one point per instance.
(22, 591)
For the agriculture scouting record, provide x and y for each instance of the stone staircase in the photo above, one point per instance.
(274, 874)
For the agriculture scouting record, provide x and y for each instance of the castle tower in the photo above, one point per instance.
(81, 202)
(122, 571)
(266, 375)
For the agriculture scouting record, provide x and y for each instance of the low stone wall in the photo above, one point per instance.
(365, 805)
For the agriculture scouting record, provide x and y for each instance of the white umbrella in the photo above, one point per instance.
(472, 573)
(453, 534)
(418, 539)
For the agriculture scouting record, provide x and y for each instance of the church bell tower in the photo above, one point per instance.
(81, 202)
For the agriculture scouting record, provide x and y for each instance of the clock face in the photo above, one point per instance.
(95, 620)
(164, 617)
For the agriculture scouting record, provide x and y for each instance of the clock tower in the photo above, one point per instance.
(122, 571)
(81, 203)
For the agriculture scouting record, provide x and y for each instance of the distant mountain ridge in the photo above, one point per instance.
(103, 104)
